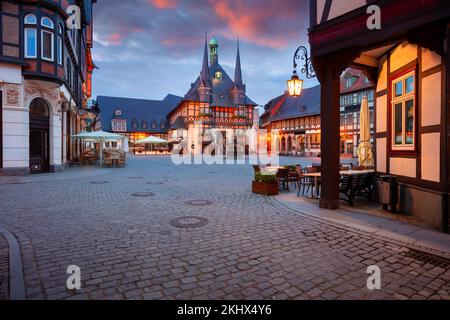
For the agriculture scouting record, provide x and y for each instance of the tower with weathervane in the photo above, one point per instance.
(214, 100)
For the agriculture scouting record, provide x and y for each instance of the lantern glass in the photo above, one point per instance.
(295, 86)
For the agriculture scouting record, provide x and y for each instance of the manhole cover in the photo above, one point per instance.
(99, 182)
(154, 183)
(199, 203)
(143, 194)
(189, 222)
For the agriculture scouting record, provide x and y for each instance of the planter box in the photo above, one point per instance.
(267, 189)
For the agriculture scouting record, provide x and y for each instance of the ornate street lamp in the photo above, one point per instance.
(295, 85)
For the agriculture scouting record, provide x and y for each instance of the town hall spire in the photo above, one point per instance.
(238, 71)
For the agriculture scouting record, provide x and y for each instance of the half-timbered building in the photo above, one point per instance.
(45, 80)
(408, 59)
(213, 101)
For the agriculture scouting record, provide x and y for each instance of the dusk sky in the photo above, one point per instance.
(149, 48)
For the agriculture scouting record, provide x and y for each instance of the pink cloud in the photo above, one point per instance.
(253, 22)
(164, 4)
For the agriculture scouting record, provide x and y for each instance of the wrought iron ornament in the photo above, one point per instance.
(302, 54)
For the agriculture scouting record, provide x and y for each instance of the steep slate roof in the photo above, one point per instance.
(286, 107)
(138, 109)
(221, 89)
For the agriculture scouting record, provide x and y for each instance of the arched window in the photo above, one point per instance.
(47, 22)
(47, 39)
(154, 124)
(30, 19)
(134, 124)
(162, 125)
(144, 124)
(30, 36)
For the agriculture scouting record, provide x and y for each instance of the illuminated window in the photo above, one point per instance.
(218, 75)
(403, 112)
(118, 113)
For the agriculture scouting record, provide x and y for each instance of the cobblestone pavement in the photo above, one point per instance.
(117, 226)
(4, 269)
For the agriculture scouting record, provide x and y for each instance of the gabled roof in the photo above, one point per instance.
(286, 107)
(136, 109)
(359, 83)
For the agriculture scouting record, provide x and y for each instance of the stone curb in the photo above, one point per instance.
(363, 230)
(16, 279)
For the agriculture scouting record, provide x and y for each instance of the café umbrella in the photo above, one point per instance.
(365, 154)
(152, 140)
(99, 137)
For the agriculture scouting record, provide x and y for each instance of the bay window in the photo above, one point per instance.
(403, 114)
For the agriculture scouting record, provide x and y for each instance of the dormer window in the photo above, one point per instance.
(349, 82)
(154, 125)
(144, 124)
(218, 75)
(134, 124)
(118, 113)
(162, 124)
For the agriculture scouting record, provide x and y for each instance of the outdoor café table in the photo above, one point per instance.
(317, 175)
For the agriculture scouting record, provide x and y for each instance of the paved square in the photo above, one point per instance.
(118, 226)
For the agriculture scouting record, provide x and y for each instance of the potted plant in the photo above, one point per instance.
(265, 184)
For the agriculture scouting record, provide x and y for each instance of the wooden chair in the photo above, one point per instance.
(346, 189)
(122, 160)
(107, 162)
(303, 181)
(283, 178)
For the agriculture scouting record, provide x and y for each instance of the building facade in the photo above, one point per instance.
(136, 119)
(354, 86)
(213, 101)
(45, 80)
(296, 121)
(409, 62)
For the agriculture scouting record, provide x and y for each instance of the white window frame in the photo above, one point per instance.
(52, 24)
(52, 45)
(60, 51)
(403, 99)
(26, 43)
(29, 16)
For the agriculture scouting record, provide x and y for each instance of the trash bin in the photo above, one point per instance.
(389, 193)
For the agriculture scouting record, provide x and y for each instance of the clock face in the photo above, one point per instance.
(218, 75)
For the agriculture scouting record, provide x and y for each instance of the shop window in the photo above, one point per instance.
(403, 112)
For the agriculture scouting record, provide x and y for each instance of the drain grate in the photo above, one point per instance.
(199, 203)
(427, 258)
(99, 182)
(143, 194)
(189, 222)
